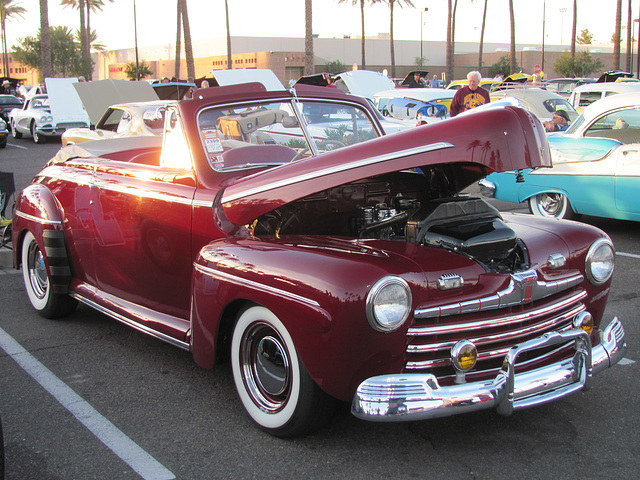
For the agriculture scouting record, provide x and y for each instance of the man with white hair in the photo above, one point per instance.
(470, 96)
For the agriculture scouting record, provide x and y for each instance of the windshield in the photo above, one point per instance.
(554, 104)
(267, 134)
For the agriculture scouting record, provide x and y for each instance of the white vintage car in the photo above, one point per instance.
(124, 120)
(49, 115)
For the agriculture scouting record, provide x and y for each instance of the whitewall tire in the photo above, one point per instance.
(273, 384)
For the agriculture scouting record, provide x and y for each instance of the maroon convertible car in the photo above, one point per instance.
(284, 232)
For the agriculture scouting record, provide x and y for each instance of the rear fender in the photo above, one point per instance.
(532, 190)
(37, 211)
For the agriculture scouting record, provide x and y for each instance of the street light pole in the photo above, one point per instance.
(544, 8)
(425, 9)
(638, 74)
(562, 11)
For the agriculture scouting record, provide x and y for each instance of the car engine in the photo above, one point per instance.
(404, 206)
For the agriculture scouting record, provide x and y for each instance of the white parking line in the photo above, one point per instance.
(17, 146)
(132, 454)
(632, 255)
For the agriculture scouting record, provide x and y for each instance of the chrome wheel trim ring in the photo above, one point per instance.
(266, 368)
(37, 272)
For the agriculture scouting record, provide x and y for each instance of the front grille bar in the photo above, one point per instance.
(496, 322)
(510, 335)
(524, 287)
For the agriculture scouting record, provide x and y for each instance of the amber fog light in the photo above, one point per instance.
(464, 355)
(584, 321)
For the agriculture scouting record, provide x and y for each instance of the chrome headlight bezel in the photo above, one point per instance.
(388, 304)
(600, 261)
(3, 124)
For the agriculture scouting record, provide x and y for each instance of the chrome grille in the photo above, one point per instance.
(67, 125)
(493, 329)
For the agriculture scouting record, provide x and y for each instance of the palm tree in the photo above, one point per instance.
(512, 50)
(45, 39)
(188, 48)
(451, 28)
(178, 40)
(80, 5)
(8, 11)
(616, 36)
(361, 2)
(85, 7)
(574, 33)
(391, 3)
(484, 20)
(308, 38)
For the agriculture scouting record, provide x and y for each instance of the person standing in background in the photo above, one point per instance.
(471, 96)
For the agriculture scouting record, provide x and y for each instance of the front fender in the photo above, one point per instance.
(317, 291)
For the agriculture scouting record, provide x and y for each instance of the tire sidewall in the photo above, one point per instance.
(536, 209)
(268, 421)
(14, 130)
(38, 303)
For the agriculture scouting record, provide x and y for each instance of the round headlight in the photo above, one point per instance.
(600, 261)
(388, 304)
(3, 124)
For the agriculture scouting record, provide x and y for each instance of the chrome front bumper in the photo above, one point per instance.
(396, 398)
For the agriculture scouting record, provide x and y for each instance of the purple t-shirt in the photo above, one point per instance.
(465, 99)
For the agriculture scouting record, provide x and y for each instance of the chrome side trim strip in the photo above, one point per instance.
(521, 289)
(42, 221)
(143, 193)
(339, 168)
(494, 322)
(251, 284)
(131, 323)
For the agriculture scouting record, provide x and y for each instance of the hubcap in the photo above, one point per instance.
(38, 272)
(265, 367)
(551, 203)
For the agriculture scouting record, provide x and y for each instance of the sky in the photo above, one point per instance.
(156, 22)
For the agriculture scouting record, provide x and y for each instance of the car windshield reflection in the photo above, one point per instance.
(262, 135)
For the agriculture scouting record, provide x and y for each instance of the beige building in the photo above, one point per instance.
(18, 71)
(285, 56)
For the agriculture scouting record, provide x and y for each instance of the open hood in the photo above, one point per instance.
(406, 81)
(172, 90)
(223, 78)
(65, 102)
(472, 145)
(99, 95)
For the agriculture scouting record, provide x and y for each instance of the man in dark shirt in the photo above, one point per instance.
(417, 81)
(470, 96)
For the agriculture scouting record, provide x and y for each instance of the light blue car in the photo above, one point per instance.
(596, 167)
